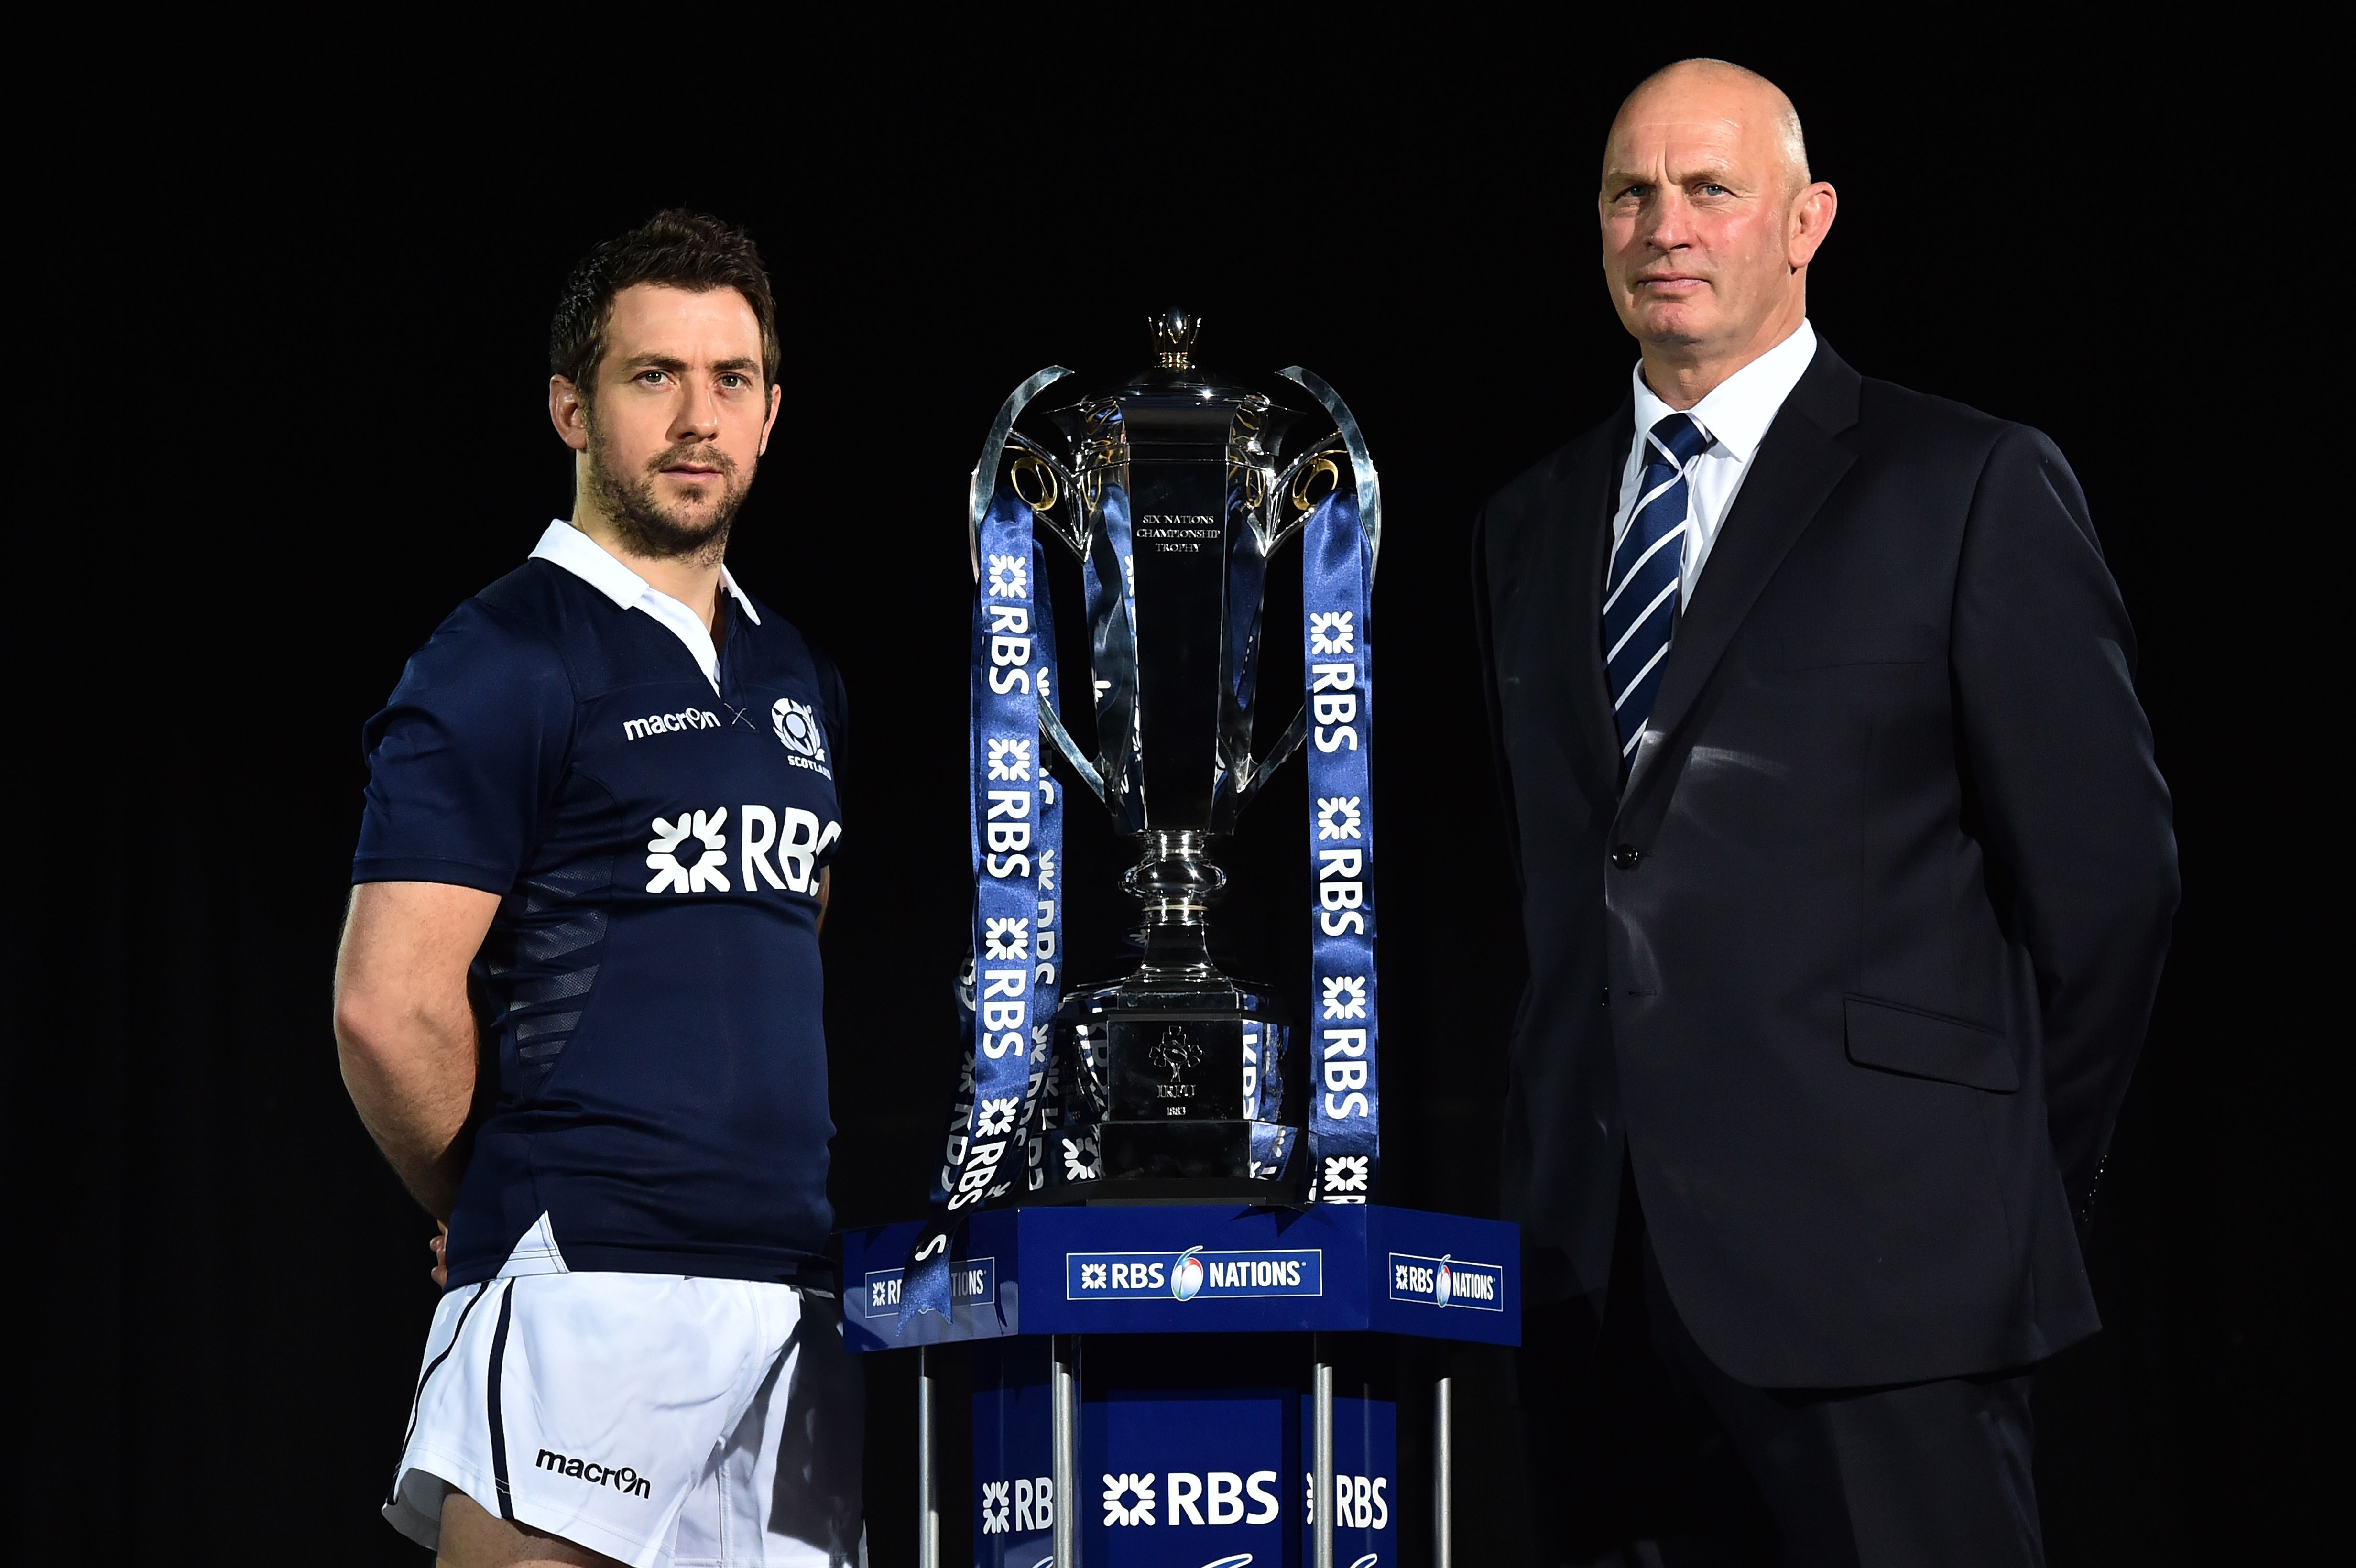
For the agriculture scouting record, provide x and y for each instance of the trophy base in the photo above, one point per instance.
(1144, 1192)
(1173, 1091)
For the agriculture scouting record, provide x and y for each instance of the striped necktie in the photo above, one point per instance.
(1640, 603)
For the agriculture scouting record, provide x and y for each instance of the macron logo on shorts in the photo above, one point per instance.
(669, 723)
(623, 1479)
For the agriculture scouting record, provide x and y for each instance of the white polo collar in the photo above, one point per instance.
(561, 544)
(1739, 410)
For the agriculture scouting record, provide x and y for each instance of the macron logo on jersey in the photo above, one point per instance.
(666, 724)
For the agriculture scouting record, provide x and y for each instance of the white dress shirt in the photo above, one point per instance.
(1735, 416)
(585, 558)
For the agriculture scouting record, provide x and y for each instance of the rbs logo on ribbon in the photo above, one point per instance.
(1447, 1282)
(1185, 1276)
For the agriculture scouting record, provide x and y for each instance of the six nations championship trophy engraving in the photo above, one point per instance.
(1176, 490)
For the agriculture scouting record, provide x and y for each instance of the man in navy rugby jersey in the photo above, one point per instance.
(578, 1003)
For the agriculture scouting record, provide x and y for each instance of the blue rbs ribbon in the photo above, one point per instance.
(1016, 833)
(1343, 1027)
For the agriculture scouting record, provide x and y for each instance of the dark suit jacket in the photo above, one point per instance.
(1857, 967)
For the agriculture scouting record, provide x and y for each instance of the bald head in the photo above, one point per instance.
(1709, 221)
(1727, 87)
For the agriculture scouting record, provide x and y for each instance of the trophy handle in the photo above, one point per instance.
(1281, 531)
(978, 493)
(1368, 488)
(1286, 745)
(1362, 464)
(1066, 498)
(1052, 724)
(985, 467)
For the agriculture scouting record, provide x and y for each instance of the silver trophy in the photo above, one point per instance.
(1176, 489)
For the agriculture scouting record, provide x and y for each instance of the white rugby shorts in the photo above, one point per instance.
(665, 1421)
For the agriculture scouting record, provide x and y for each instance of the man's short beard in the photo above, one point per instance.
(645, 528)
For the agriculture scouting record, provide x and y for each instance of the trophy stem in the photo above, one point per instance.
(1178, 882)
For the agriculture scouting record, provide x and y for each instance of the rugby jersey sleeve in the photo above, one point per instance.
(834, 710)
(466, 754)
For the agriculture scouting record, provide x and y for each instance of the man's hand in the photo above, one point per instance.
(405, 1030)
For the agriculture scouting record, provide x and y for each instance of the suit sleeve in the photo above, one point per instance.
(1484, 643)
(2074, 812)
(466, 754)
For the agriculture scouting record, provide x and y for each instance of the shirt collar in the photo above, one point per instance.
(1739, 410)
(564, 545)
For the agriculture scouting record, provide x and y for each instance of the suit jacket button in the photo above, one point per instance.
(1625, 856)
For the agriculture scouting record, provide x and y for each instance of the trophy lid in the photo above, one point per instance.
(1175, 330)
(1176, 376)
(1178, 400)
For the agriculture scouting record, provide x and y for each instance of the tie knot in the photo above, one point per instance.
(1681, 438)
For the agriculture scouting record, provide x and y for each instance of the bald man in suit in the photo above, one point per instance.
(1847, 874)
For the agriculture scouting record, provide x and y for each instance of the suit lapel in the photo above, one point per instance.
(1594, 498)
(1796, 468)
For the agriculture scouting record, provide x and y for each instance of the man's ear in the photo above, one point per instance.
(1811, 219)
(569, 413)
(777, 400)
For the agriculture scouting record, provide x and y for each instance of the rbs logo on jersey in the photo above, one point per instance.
(689, 853)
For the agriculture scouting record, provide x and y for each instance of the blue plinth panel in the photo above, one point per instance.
(1335, 1268)
(1189, 1456)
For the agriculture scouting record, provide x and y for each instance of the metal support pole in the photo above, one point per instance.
(928, 1506)
(1065, 1448)
(1443, 1472)
(1323, 1507)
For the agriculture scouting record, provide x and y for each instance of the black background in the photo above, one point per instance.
(302, 417)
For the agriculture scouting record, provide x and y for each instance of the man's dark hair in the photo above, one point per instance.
(677, 248)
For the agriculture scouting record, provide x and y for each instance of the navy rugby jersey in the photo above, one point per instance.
(651, 980)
